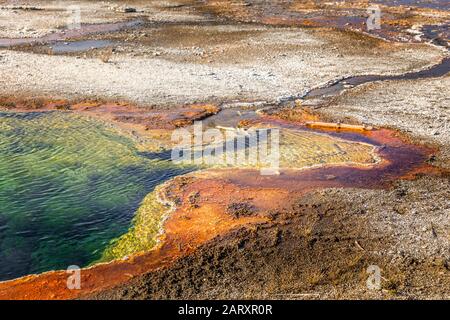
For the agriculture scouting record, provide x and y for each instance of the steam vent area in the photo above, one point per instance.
(224, 149)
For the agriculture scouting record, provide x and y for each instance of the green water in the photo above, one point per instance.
(68, 186)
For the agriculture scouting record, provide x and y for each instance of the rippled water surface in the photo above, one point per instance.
(68, 186)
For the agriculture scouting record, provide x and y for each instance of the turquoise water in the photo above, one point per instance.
(68, 186)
